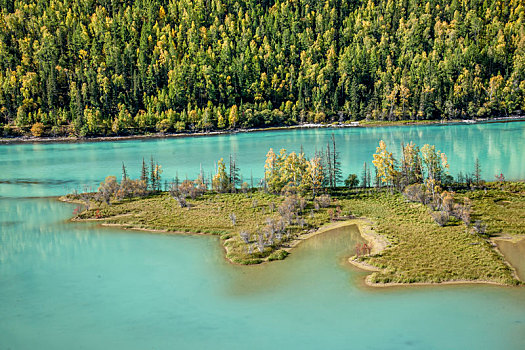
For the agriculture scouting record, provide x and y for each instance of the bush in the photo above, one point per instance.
(37, 129)
(415, 193)
(323, 201)
(245, 236)
(440, 217)
(352, 181)
(480, 227)
(278, 255)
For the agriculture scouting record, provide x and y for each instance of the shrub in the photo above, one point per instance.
(323, 201)
(245, 236)
(301, 203)
(278, 255)
(463, 211)
(447, 202)
(440, 217)
(181, 200)
(37, 129)
(288, 206)
(233, 218)
(480, 227)
(352, 181)
(415, 193)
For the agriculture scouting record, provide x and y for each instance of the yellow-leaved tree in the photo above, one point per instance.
(385, 164)
(234, 116)
(436, 162)
(293, 171)
(314, 177)
(220, 181)
(411, 168)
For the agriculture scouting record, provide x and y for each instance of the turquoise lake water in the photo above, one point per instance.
(70, 285)
(33, 170)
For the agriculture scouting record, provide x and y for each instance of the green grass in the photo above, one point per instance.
(419, 251)
(422, 251)
(209, 214)
(501, 207)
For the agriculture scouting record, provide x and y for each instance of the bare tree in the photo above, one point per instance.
(245, 236)
(233, 218)
(480, 227)
(107, 189)
(260, 242)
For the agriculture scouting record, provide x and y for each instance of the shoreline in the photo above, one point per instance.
(153, 136)
(359, 222)
(364, 227)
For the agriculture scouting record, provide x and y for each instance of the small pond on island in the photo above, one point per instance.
(67, 285)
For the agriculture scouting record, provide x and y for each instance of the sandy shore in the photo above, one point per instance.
(377, 241)
(359, 222)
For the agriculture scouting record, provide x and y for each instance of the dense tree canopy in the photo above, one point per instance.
(91, 67)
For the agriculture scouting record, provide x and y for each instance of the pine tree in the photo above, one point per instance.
(377, 179)
(176, 180)
(234, 175)
(124, 173)
(336, 164)
(144, 173)
(368, 177)
(153, 177)
(476, 175)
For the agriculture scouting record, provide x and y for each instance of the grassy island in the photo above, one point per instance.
(419, 251)
(422, 226)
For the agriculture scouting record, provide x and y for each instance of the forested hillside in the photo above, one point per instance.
(96, 67)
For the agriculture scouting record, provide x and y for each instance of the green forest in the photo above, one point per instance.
(117, 67)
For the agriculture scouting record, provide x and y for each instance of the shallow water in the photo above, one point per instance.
(515, 254)
(70, 285)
